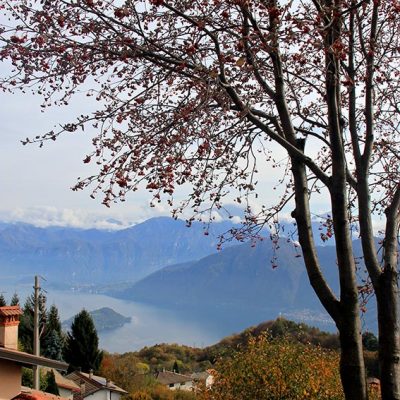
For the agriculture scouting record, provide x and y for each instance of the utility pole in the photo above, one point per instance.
(36, 343)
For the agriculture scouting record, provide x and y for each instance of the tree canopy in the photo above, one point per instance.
(277, 369)
(14, 300)
(81, 348)
(201, 94)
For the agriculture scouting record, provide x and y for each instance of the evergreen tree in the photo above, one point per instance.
(81, 348)
(53, 338)
(51, 385)
(370, 341)
(53, 346)
(2, 300)
(175, 368)
(27, 377)
(53, 320)
(26, 322)
(14, 300)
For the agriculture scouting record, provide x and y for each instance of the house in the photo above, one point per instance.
(95, 387)
(205, 378)
(32, 394)
(67, 388)
(374, 385)
(175, 381)
(12, 360)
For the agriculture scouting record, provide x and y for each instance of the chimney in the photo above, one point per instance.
(108, 383)
(9, 321)
(91, 374)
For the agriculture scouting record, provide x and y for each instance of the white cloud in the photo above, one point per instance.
(76, 218)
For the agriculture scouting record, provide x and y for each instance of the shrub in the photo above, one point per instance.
(276, 369)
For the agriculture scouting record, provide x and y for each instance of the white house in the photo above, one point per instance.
(95, 387)
(204, 377)
(175, 381)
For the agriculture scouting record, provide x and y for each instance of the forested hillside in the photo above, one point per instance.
(312, 350)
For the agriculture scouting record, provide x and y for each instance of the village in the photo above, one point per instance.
(77, 385)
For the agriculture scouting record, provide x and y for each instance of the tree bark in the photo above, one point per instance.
(387, 297)
(346, 312)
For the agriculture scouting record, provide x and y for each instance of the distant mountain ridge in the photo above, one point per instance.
(98, 256)
(164, 263)
(239, 285)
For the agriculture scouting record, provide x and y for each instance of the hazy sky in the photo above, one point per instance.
(35, 183)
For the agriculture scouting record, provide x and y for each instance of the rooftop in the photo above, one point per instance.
(31, 394)
(8, 311)
(168, 377)
(28, 360)
(62, 381)
(94, 383)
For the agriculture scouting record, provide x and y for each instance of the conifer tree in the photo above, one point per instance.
(26, 322)
(14, 300)
(81, 348)
(53, 338)
(2, 300)
(53, 320)
(51, 385)
(53, 346)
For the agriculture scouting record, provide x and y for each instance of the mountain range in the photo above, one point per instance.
(71, 255)
(239, 285)
(163, 263)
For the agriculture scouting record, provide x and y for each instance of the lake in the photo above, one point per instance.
(149, 325)
(192, 326)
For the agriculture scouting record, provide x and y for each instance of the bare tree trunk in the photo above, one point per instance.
(346, 312)
(389, 335)
(352, 370)
(387, 296)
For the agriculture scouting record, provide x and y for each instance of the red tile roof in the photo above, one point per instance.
(8, 311)
(31, 394)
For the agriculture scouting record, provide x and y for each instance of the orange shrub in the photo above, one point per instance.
(277, 369)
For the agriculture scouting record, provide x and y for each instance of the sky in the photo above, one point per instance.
(36, 182)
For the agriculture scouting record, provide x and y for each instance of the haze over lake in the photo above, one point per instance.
(148, 326)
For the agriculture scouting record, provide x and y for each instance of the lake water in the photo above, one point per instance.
(148, 326)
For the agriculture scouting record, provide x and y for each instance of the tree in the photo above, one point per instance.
(53, 346)
(81, 347)
(25, 330)
(54, 338)
(50, 333)
(53, 320)
(201, 94)
(2, 300)
(14, 300)
(123, 370)
(175, 367)
(277, 369)
(51, 385)
(370, 341)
